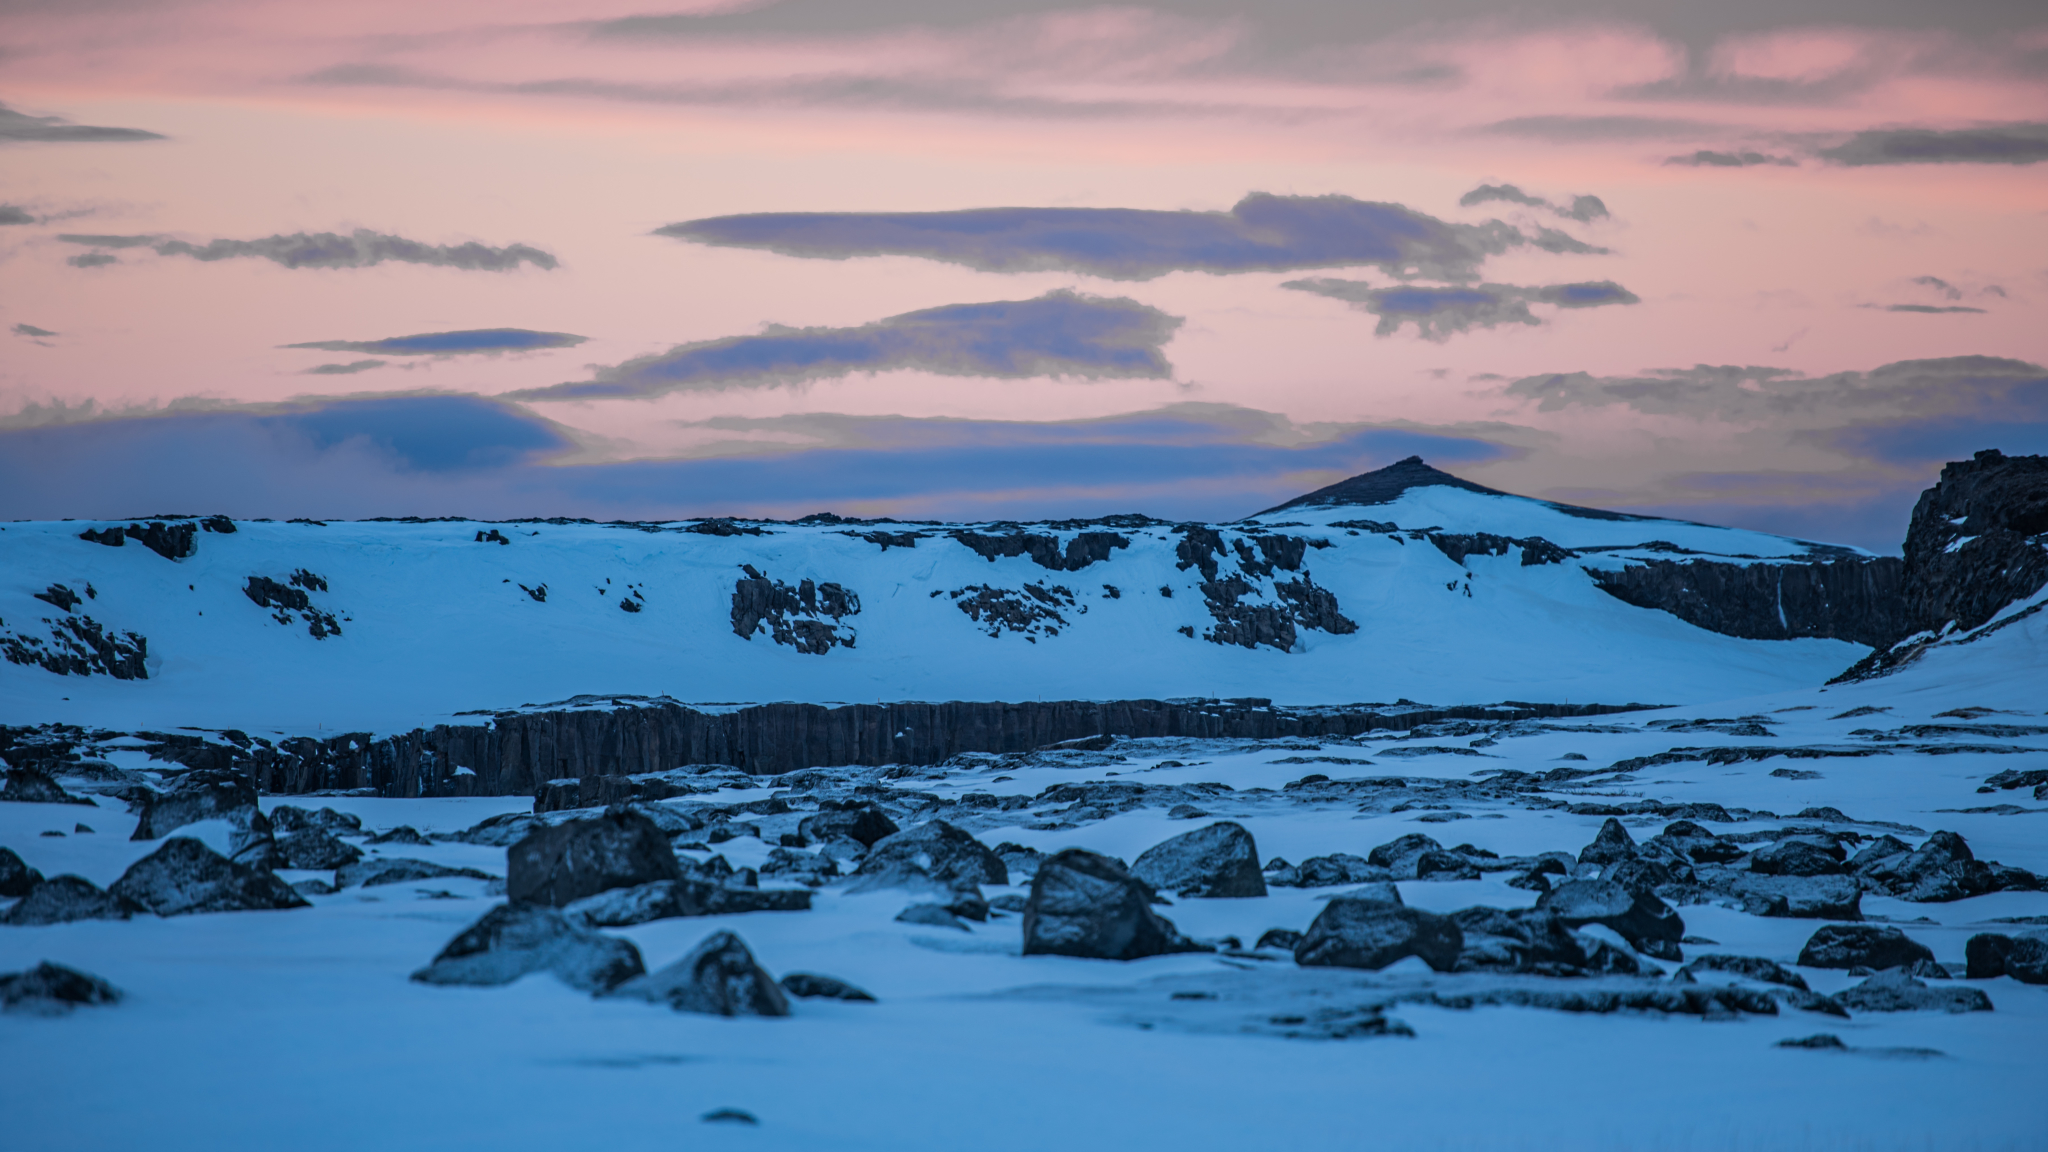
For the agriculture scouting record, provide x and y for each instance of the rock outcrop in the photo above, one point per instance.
(567, 862)
(63, 899)
(718, 977)
(513, 940)
(185, 876)
(1220, 860)
(53, 990)
(1861, 946)
(1086, 904)
(1358, 933)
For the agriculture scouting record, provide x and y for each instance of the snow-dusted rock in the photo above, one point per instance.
(811, 986)
(16, 877)
(512, 940)
(1748, 967)
(719, 977)
(381, 870)
(1085, 904)
(53, 990)
(564, 863)
(2023, 957)
(860, 822)
(687, 896)
(934, 853)
(1523, 940)
(28, 786)
(186, 876)
(1221, 860)
(202, 794)
(1798, 856)
(286, 819)
(314, 848)
(1611, 845)
(1326, 872)
(62, 899)
(1646, 922)
(1896, 991)
(1351, 932)
(1861, 946)
(1797, 897)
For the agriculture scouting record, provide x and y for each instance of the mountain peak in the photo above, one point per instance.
(1385, 485)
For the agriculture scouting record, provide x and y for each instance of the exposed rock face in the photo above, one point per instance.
(314, 849)
(1221, 860)
(1646, 922)
(2023, 957)
(53, 990)
(567, 862)
(805, 617)
(932, 854)
(1855, 599)
(1086, 904)
(200, 795)
(1523, 940)
(16, 877)
(1897, 991)
(1535, 549)
(864, 823)
(285, 597)
(1861, 946)
(381, 870)
(186, 876)
(689, 896)
(719, 977)
(1030, 612)
(810, 986)
(1353, 933)
(28, 786)
(80, 646)
(62, 899)
(512, 940)
(1612, 845)
(1045, 551)
(1385, 485)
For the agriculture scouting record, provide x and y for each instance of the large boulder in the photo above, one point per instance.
(1326, 872)
(1086, 904)
(1611, 845)
(1897, 991)
(1861, 946)
(564, 863)
(811, 986)
(52, 990)
(1748, 967)
(864, 823)
(1220, 860)
(186, 876)
(201, 794)
(315, 848)
(2023, 957)
(62, 899)
(381, 870)
(1418, 857)
(512, 940)
(1646, 922)
(286, 819)
(719, 977)
(28, 786)
(1942, 869)
(1797, 897)
(1693, 843)
(689, 896)
(1528, 940)
(1351, 932)
(1796, 856)
(16, 877)
(934, 854)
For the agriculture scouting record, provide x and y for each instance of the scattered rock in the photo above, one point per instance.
(1646, 922)
(185, 876)
(1819, 1040)
(1612, 845)
(53, 990)
(1798, 856)
(1281, 938)
(379, 871)
(1896, 991)
(1327, 871)
(1523, 940)
(811, 986)
(1021, 862)
(731, 1116)
(1861, 945)
(567, 862)
(313, 848)
(1356, 933)
(210, 794)
(512, 940)
(1798, 897)
(1942, 869)
(931, 916)
(931, 853)
(315, 887)
(719, 977)
(689, 896)
(16, 877)
(1749, 968)
(1086, 904)
(62, 899)
(1418, 857)
(2023, 957)
(28, 786)
(1693, 843)
(403, 834)
(1219, 861)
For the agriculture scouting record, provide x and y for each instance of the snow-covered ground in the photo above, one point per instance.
(299, 1028)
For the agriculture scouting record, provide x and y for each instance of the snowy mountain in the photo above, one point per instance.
(1405, 582)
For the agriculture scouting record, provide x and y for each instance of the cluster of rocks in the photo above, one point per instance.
(806, 616)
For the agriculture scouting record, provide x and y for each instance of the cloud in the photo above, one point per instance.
(361, 249)
(1704, 158)
(1440, 313)
(15, 127)
(2003, 144)
(490, 341)
(31, 330)
(1057, 334)
(348, 369)
(92, 260)
(14, 214)
(1939, 285)
(1584, 209)
(1261, 233)
(97, 241)
(1574, 129)
(1924, 308)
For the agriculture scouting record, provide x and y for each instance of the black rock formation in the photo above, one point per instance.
(28, 786)
(16, 877)
(1528, 940)
(2023, 957)
(1647, 923)
(864, 823)
(381, 870)
(286, 819)
(185, 876)
(284, 598)
(1220, 860)
(53, 990)
(1855, 599)
(811, 986)
(795, 617)
(1045, 551)
(1861, 946)
(567, 862)
(1612, 845)
(512, 940)
(80, 646)
(718, 977)
(1086, 904)
(689, 896)
(1385, 485)
(62, 899)
(1897, 991)
(312, 848)
(1031, 611)
(1351, 932)
(933, 854)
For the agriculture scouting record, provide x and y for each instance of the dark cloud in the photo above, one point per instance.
(1569, 129)
(2004, 144)
(16, 127)
(1985, 385)
(464, 342)
(1941, 286)
(1935, 308)
(1584, 209)
(31, 330)
(1704, 158)
(361, 249)
(348, 369)
(446, 455)
(92, 260)
(1058, 334)
(1440, 313)
(1262, 232)
(14, 214)
(96, 241)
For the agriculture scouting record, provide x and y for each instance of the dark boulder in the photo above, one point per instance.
(1220, 861)
(1021, 862)
(1282, 938)
(202, 794)
(403, 834)
(1694, 843)
(1086, 904)
(286, 819)
(932, 854)
(719, 977)
(1861, 946)
(811, 986)
(1795, 857)
(16, 877)
(1612, 845)
(1646, 922)
(1896, 991)
(512, 940)
(2023, 957)
(1523, 940)
(1797, 897)
(1438, 865)
(567, 862)
(378, 871)
(1749, 968)
(1647, 874)
(52, 990)
(862, 822)
(28, 786)
(1355, 933)
(1328, 871)
(932, 916)
(313, 848)
(1400, 856)
(1942, 869)
(689, 896)
(185, 876)
(62, 899)
(1878, 852)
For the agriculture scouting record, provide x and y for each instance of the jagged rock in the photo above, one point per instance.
(210, 794)
(2023, 957)
(1942, 869)
(403, 834)
(933, 853)
(512, 940)
(315, 888)
(569, 861)
(1691, 842)
(1605, 959)
(53, 990)
(689, 896)
(313, 848)
(1640, 874)
(1612, 845)
(1749, 968)
(811, 986)
(1797, 897)
(931, 916)
(1086, 904)
(1328, 871)
(803, 867)
(1798, 856)
(62, 899)
(286, 819)
(16, 877)
(378, 871)
(1896, 991)
(185, 876)
(1403, 857)
(28, 786)
(1009, 902)
(1354, 933)
(1522, 940)
(1861, 945)
(1820, 1041)
(719, 977)
(864, 823)
(1282, 938)
(1646, 922)
(1219, 861)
